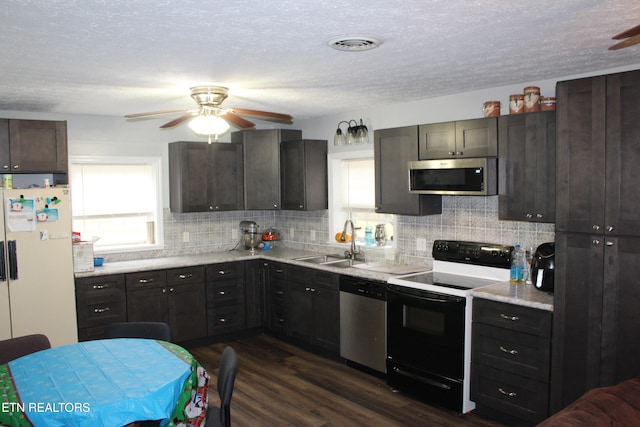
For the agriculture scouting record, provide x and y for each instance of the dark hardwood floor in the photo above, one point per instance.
(279, 384)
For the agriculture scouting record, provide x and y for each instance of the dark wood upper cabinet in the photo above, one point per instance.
(303, 174)
(527, 162)
(33, 146)
(463, 138)
(205, 177)
(393, 149)
(262, 165)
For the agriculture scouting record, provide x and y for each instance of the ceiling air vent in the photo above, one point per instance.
(354, 43)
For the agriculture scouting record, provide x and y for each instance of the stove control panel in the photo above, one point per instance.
(478, 253)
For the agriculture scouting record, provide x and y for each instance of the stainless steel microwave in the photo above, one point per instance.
(458, 177)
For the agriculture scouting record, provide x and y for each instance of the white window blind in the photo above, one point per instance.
(117, 202)
(358, 184)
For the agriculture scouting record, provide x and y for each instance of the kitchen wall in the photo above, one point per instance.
(463, 218)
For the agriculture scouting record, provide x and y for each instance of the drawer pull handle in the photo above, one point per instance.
(279, 270)
(185, 276)
(223, 272)
(279, 292)
(223, 293)
(101, 310)
(101, 286)
(512, 318)
(145, 281)
(504, 350)
(507, 393)
(222, 320)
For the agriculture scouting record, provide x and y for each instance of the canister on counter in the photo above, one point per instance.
(516, 103)
(491, 109)
(7, 181)
(531, 99)
(547, 103)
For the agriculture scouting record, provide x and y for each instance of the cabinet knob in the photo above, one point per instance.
(609, 243)
(301, 206)
(595, 227)
(5, 166)
(529, 216)
(210, 208)
(171, 289)
(185, 276)
(539, 216)
(222, 293)
(595, 242)
(459, 153)
(223, 272)
(16, 166)
(275, 206)
(610, 228)
(452, 153)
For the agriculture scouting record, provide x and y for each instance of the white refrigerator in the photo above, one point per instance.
(37, 292)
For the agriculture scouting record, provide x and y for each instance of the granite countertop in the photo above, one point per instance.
(275, 254)
(525, 295)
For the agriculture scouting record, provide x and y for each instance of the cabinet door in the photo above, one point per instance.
(147, 305)
(577, 328)
(254, 292)
(527, 167)
(393, 149)
(225, 177)
(189, 177)
(477, 137)
(5, 160)
(299, 309)
(187, 311)
(437, 141)
(327, 318)
(622, 154)
(580, 162)
(620, 343)
(303, 174)
(38, 146)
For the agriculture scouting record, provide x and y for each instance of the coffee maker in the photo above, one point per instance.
(250, 235)
(543, 266)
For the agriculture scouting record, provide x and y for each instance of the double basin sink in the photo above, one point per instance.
(332, 260)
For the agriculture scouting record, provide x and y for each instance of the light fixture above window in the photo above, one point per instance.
(355, 134)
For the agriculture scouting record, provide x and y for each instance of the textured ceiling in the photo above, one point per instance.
(113, 57)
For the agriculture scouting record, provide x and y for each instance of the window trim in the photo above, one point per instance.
(156, 167)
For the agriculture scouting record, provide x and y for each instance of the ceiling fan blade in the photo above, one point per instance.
(177, 121)
(265, 115)
(237, 121)
(151, 113)
(630, 32)
(626, 43)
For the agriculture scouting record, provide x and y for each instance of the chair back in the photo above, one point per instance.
(21, 346)
(150, 330)
(226, 378)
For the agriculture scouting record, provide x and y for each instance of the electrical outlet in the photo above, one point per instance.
(291, 233)
(185, 236)
(234, 233)
(421, 244)
(312, 234)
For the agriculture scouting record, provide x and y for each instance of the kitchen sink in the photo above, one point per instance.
(332, 260)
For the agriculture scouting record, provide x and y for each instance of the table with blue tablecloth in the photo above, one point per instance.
(107, 383)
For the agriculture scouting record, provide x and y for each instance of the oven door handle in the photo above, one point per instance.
(421, 378)
(442, 300)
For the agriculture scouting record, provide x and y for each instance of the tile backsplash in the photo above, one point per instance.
(462, 218)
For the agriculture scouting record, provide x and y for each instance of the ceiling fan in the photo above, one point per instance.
(212, 119)
(629, 38)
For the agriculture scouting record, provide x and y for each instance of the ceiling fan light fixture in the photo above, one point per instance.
(354, 43)
(209, 125)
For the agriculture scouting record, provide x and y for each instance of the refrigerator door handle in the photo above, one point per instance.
(3, 263)
(13, 259)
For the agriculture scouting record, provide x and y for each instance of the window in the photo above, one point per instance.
(117, 200)
(352, 194)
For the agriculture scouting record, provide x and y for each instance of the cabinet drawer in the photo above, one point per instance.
(225, 292)
(327, 279)
(225, 271)
(511, 394)
(95, 312)
(179, 276)
(514, 317)
(515, 352)
(225, 319)
(87, 287)
(277, 270)
(146, 279)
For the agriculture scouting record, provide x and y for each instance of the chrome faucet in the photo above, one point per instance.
(351, 254)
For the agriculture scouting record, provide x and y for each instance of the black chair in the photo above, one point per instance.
(221, 417)
(150, 330)
(21, 346)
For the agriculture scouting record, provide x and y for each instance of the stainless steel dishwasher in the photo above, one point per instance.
(363, 322)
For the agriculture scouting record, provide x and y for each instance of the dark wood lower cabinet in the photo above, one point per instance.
(100, 301)
(510, 362)
(225, 298)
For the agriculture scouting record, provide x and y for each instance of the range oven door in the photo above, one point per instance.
(425, 344)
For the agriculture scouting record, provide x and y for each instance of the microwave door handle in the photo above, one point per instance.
(3, 263)
(13, 259)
